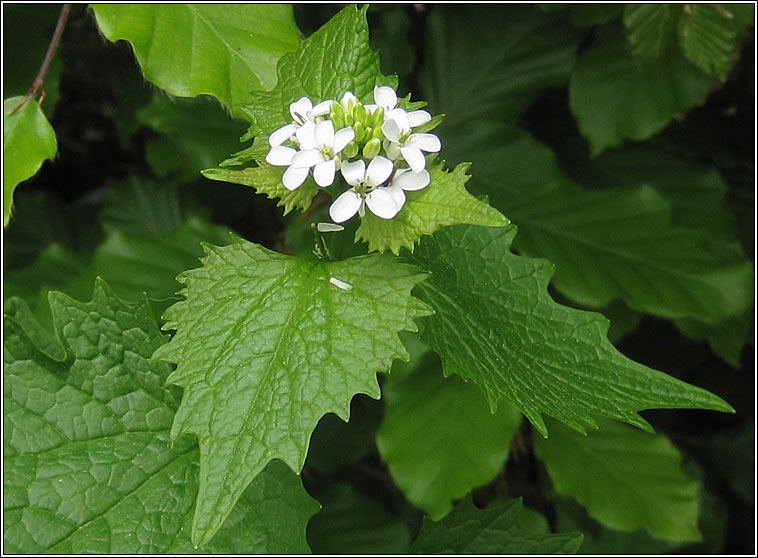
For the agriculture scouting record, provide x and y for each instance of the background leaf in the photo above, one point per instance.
(618, 242)
(614, 98)
(468, 530)
(651, 28)
(519, 53)
(28, 140)
(190, 50)
(707, 37)
(439, 438)
(496, 325)
(194, 134)
(265, 346)
(351, 523)
(617, 463)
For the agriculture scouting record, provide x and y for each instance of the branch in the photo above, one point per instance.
(40, 79)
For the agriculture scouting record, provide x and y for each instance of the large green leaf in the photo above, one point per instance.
(88, 464)
(335, 59)
(194, 134)
(266, 344)
(613, 97)
(28, 140)
(439, 438)
(518, 52)
(468, 530)
(617, 463)
(622, 242)
(444, 202)
(496, 325)
(224, 50)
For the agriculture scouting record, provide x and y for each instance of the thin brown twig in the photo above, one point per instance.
(40, 79)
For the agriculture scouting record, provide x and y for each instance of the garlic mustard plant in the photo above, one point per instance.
(374, 146)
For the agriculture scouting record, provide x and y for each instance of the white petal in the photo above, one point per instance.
(346, 98)
(371, 108)
(324, 173)
(382, 204)
(412, 155)
(281, 135)
(354, 172)
(401, 119)
(294, 177)
(306, 159)
(341, 284)
(342, 138)
(385, 97)
(329, 227)
(397, 195)
(392, 150)
(411, 180)
(306, 135)
(300, 109)
(324, 107)
(425, 142)
(379, 170)
(280, 155)
(391, 130)
(418, 117)
(345, 206)
(324, 134)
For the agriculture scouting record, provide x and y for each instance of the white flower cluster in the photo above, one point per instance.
(373, 146)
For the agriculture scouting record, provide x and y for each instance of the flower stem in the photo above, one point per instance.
(40, 79)
(320, 249)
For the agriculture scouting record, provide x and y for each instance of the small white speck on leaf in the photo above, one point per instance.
(341, 284)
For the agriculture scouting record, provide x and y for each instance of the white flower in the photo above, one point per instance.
(302, 111)
(384, 97)
(320, 147)
(366, 190)
(402, 143)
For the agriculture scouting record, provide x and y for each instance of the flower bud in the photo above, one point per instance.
(372, 148)
(351, 150)
(359, 114)
(360, 132)
(377, 119)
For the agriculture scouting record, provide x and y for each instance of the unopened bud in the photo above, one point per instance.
(372, 148)
(359, 114)
(377, 119)
(360, 132)
(351, 150)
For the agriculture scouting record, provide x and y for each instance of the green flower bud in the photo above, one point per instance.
(338, 119)
(372, 148)
(351, 150)
(360, 132)
(349, 119)
(359, 114)
(377, 119)
(377, 133)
